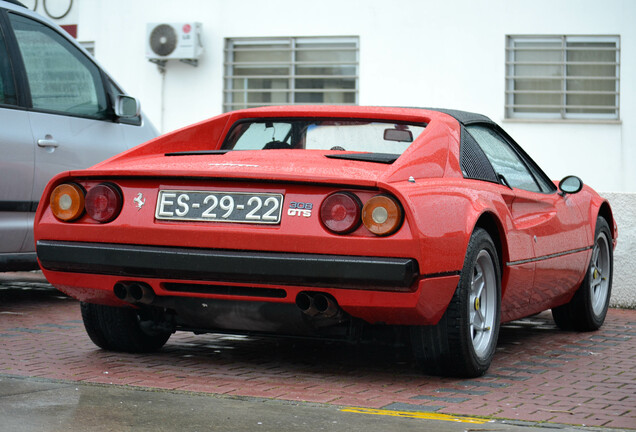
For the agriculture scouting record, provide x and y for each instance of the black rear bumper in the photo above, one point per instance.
(337, 271)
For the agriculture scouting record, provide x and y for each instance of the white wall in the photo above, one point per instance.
(412, 53)
(593, 151)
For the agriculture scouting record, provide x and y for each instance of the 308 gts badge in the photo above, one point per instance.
(300, 209)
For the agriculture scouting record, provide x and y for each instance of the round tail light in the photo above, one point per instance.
(340, 212)
(103, 202)
(67, 202)
(382, 215)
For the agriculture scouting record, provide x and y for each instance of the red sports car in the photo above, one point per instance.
(328, 222)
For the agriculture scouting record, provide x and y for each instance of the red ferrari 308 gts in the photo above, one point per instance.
(328, 222)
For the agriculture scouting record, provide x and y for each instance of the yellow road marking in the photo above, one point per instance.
(417, 415)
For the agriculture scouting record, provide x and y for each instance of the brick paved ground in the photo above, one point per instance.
(539, 372)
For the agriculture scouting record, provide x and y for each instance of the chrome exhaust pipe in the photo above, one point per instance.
(318, 305)
(305, 303)
(141, 292)
(134, 292)
(121, 291)
(148, 295)
(326, 306)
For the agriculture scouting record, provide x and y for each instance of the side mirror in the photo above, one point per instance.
(126, 106)
(570, 185)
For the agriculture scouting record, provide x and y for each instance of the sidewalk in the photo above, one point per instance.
(539, 373)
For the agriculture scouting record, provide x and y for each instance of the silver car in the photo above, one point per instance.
(59, 111)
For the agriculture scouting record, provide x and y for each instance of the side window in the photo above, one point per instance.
(504, 159)
(544, 182)
(7, 84)
(61, 78)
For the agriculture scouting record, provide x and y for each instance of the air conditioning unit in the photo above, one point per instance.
(165, 41)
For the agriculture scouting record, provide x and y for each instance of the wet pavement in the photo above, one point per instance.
(540, 375)
(32, 404)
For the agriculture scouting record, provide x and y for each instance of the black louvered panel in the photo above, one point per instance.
(474, 163)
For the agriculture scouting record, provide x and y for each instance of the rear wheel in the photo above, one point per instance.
(121, 329)
(588, 308)
(463, 342)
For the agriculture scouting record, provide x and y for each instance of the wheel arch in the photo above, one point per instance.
(606, 212)
(596, 206)
(489, 222)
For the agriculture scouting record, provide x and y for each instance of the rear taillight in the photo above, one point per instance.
(340, 212)
(103, 202)
(343, 212)
(67, 202)
(382, 215)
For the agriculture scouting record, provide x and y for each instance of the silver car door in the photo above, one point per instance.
(16, 161)
(71, 120)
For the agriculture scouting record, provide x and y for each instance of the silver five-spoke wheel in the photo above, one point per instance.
(463, 342)
(482, 303)
(600, 268)
(587, 309)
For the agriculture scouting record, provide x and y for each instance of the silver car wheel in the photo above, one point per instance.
(483, 298)
(600, 269)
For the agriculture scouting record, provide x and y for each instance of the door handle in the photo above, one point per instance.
(48, 142)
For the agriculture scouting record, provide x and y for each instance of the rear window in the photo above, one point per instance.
(327, 134)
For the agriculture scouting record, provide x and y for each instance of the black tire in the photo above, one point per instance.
(118, 329)
(456, 346)
(92, 321)
(588, 308)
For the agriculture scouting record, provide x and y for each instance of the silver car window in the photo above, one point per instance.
(61, 78)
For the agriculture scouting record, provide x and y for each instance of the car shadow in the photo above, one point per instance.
(388, 353)
(377, 356)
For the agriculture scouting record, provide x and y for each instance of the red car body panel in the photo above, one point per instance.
(544, 242)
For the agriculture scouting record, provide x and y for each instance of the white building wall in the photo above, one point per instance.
(412, 53)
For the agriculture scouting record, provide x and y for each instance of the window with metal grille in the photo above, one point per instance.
(287, 71)
(562, 77)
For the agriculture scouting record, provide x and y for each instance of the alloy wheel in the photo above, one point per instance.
(482, 307)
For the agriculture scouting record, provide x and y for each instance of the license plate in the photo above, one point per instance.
(241, 207)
